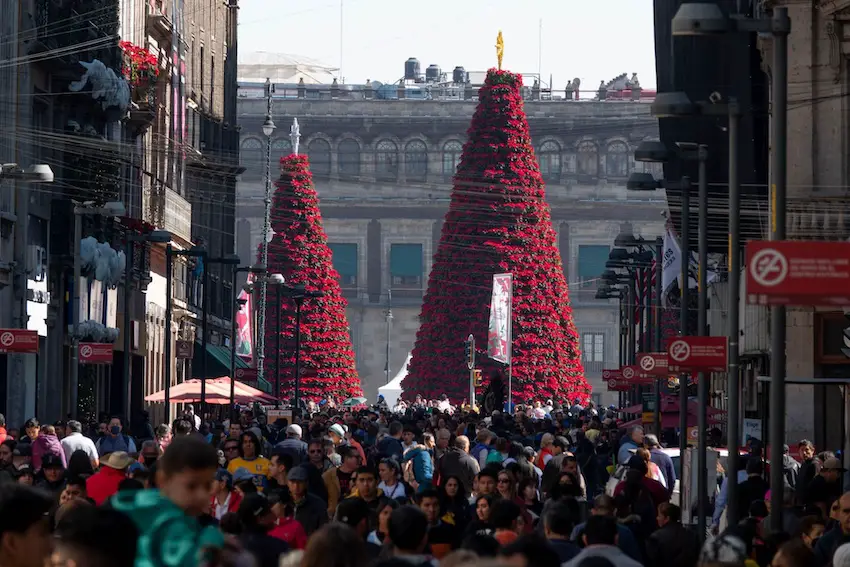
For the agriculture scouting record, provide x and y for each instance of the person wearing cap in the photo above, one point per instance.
(104, 483)
(224, 499)
(310, 510)
(825, 488)
(52, 475)
(293, 445)
(257, 519)
(287, 528)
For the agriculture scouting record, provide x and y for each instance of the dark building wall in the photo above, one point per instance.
(731, 66)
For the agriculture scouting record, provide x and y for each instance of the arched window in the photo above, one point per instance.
(386, 160)
(451, 156)
(617, 160)
(416, 160)
(549, 157)
(252, 156)
(281, 148)
(319, 152)
(348, 157)
(588, 159)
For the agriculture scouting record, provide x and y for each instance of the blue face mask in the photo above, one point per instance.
(115, 429)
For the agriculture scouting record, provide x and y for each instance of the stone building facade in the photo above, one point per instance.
(383, 171)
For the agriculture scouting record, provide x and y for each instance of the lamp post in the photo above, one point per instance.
(256, 269)
(611, 291)
(708, 19)
(268, 130)
(657, 152)
(298, 294)
(170, 254)
(228, 260)
(155, 236)
(389, 316)
(278, 281)
(111, 209)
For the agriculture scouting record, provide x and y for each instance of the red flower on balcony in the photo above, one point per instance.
(141, 67)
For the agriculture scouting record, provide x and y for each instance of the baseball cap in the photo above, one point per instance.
(832, 464)
(298, 474)
(294, 429)
(51, 461)
(222, 475)
(241, 474)
(337, 430)
(352, 511)
(253, 507)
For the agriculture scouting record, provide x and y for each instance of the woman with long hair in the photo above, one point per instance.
(481, 523)
(454, 501)
(384, 511)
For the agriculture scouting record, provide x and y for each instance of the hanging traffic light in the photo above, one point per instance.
(477, 379)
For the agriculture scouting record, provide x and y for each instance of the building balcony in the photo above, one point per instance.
(142, 110)
(158, 23)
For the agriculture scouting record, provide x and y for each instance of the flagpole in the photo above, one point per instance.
(510, 345)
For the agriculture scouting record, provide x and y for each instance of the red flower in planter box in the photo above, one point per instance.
(498, 221)
(141, 67)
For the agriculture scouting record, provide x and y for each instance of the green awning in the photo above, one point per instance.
(218, 361)
(344, 259)
(591, 260)
(406, 260)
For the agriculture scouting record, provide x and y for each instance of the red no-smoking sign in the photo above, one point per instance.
(700, 354)
(798, 273)
(18, 341)
(652, 363)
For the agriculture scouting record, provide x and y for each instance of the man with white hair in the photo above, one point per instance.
(630, 444)
(293, 445)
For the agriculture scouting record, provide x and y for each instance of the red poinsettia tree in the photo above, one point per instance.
(299, 251)
(498, 222)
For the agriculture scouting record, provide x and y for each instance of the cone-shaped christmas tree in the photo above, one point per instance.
(498, 222)
(299, 251)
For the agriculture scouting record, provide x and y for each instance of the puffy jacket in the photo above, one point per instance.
(46, 445)
(423, 466)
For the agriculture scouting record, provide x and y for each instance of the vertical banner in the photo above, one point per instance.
(244, 344)
(501, 313)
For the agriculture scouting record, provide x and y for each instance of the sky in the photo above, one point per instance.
(593, 40)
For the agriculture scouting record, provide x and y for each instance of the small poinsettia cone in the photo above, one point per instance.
(498, 222)
(299, 251)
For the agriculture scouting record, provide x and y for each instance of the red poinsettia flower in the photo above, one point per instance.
(498, 221)
(299, 251)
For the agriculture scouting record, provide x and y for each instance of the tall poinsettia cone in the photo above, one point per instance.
(498, 222)
(299, 251)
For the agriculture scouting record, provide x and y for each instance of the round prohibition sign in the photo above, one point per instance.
(628, 373)
(647, 363)
(86, 351)
(612, 383)
(769, 267)
(606, 374)
(680, 351)
(7, 339)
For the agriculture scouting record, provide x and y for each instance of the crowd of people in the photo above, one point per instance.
(426, 484)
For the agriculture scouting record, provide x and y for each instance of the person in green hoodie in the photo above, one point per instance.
(167, 517)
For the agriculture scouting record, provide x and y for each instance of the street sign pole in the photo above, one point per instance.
(471, 365)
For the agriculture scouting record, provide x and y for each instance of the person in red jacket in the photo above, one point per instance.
(287, 528)
(224, 498)
(104, 483)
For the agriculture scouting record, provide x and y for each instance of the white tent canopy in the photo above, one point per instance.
(392, 390)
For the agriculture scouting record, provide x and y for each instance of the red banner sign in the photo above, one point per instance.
(248, 376)
(653, 363)
(18, 341)
(701, 354)
(612, 373)
(798, 273)
(95, 353)
(618, 385)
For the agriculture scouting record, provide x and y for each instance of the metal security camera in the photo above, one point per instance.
(715, 97)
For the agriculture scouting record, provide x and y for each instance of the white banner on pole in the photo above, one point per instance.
(501, 314)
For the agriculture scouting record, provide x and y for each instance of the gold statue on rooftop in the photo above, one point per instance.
(500, 49)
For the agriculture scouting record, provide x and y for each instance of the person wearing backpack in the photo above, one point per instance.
(115, 440)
